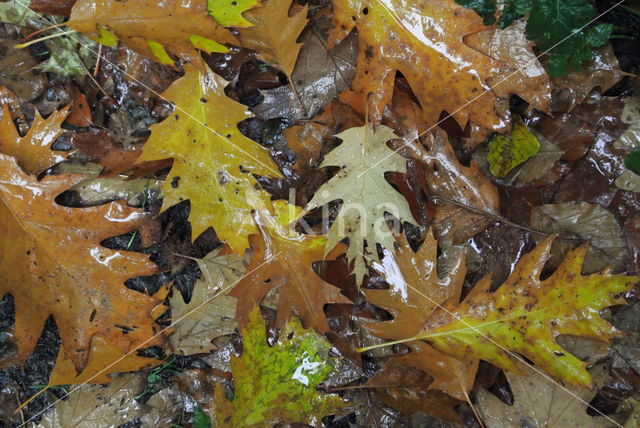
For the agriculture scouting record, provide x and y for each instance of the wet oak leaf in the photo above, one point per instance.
(415, 290)
(33, 151)
(443, 72)
(526, 314)
(152, 28)
(53, 264)
(274, 33)
(206, 317)
(283, 259)
(363, 158)
(277, 384)
(213, 162)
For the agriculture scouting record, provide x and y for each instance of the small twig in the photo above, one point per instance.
(96, 69)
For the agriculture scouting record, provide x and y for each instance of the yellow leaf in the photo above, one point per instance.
(526, 314)
(213, 162)
(507, 152)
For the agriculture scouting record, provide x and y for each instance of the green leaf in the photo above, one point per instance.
(553, 21)
(632, 161)
(485, 8)
(598, 35)
(513, 10)
(278, 384)
(507, 152)
(557, 65)
(200, 418)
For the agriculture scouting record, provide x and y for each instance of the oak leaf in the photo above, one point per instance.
(53, 264)
(526, 314)
(213, 162)
(363, 157)
(283, 259)
(275, 384)
(274, 33)
(507, 152)
(33, 151)
(206, 317)
(152, 28)
(444, 73)
(415, 289)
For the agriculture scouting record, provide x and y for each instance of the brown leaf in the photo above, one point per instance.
(406, 389)
(54, 264)
(283, 259)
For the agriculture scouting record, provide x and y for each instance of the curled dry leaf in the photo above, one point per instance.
(53, 264)
(213, 162)
(526, 314)
(33, 151)
(415, 290)
(283, 259)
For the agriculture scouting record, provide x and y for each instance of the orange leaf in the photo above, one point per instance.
(274, 33)
(416, 290)
(33, 151)
(424, 41)
(53, 264)
(283, 259)
(169, 23)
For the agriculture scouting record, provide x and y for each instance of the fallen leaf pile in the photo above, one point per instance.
(366, 213)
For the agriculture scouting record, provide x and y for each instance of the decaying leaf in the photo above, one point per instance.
(213, 162)
(444, 175)
(53, 264)
(532, 169)
(507, 152)
(195, 331)
(525, 315)
(98, 405)
(152, 28)
(407, 390)
(443, 72)
(18, 66)
(283, 259)
(601, 71)
(511, 46)
(629, 181)
(276, 384)
(631, 116)
(416, 290)
(539, 402)
(317, 77)
(363, 158)
(583, 221)
(274, 33)
(33, 151)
